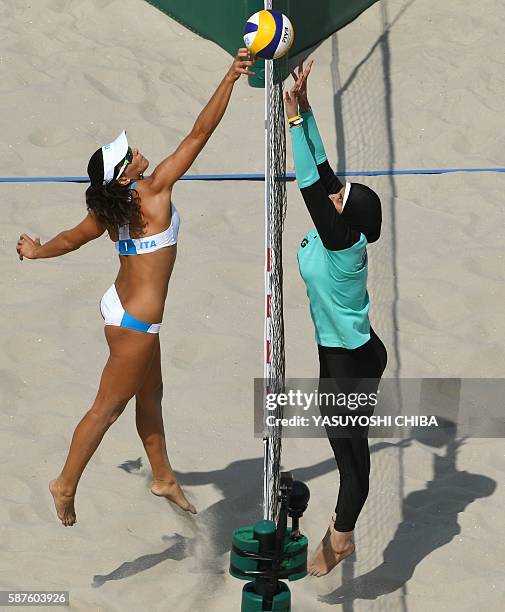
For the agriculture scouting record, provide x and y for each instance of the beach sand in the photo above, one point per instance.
(427, 92)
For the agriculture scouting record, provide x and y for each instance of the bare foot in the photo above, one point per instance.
(333, 548)
(64, 504)
(171, 490)
(325, 538)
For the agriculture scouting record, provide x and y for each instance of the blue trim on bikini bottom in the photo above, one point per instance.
(133, 323)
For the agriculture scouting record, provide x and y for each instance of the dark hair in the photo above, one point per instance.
(114, 205)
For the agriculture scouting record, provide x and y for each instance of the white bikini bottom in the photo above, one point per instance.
(113, 313)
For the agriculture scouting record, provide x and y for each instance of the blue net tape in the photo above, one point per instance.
(252, 177)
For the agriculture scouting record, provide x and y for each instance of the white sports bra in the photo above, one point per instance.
(148, 244)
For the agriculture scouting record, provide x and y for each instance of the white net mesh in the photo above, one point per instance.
(275, 210)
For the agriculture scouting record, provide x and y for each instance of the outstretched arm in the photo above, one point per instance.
(174, 166)
(334, 232)
(65, 242)
(330, 181)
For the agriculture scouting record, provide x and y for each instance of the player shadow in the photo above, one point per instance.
(429, 517)
(429, 521)
(178, 550)
(240, 485)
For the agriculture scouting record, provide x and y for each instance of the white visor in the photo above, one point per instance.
(113, 153)
(346, 194)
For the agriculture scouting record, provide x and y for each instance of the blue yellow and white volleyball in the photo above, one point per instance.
(268, 34)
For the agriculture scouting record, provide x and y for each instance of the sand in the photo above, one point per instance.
(73, 75)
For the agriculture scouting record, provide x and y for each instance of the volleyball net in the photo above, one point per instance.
(275, 211)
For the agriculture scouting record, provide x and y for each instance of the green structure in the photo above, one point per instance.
(267, 552)
(222, 21)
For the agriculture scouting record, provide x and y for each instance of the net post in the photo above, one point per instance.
(275, 210)
(267, 505)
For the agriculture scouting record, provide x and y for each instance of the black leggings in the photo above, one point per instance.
(340, 372)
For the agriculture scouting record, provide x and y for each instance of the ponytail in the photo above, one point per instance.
(114, 205)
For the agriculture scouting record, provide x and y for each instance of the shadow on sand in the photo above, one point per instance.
(429, 519)
(240, 485)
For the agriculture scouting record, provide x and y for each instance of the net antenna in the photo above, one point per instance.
(275, 212)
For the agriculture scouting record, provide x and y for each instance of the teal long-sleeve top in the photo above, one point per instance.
(332, 258)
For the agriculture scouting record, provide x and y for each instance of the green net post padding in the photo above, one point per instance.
(255, 556)
(252, 602)
(293, 566)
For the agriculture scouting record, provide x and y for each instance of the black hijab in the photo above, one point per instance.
(362, 211)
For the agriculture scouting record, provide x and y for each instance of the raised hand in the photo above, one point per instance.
(241, 64)
(301, 85)
(291, 103)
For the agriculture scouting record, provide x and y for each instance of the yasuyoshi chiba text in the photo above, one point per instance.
(352, 420)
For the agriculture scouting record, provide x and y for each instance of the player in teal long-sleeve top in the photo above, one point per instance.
(334, 266)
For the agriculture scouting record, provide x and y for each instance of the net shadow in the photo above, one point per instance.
(363, 112)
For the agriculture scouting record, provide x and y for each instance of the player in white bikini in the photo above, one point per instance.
(140, 218)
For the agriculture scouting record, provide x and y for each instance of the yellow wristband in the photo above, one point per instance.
(294, 118)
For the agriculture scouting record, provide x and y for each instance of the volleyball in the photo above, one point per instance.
(268, 34)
